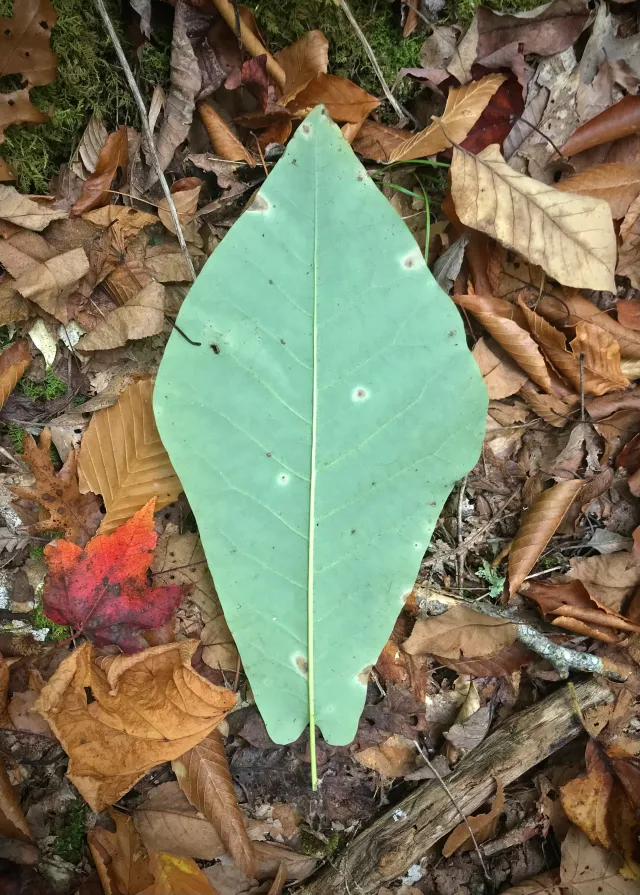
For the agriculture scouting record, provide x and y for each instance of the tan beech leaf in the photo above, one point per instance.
(225, 143)
(545, 884)
(483, 826)
(204, 777)
(123, 459)
(166, 819)
(615, 182)
(497, 317)
(140, 317)
(219, 650)
(13, 307)
(13, 823)
(14, 360)
(147, 708)
(49, 284)
(344, 100)
(301, 62)
(278, 883)
(629, 254)
(501, 374)
(112, 161)
(396, 757)
(124, 222)
(120, 857)
(537, 528)
(553, 410)
(175, 875)
(601, 355)
(271, 856)
(587, 869)
(185, 194)
(460, 633)
(25, 212)
(609, 579)
(377, 141)
(464, 107)
(573, 309)
(63, 506)
(85, 158)
(571, 237)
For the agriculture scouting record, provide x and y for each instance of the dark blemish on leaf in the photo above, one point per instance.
(294, 161)
(306, 129)
(268, 453)
(271, 282)
(282, 342)
(303, 667)
(259, 204)
(408, 262)
(353, 531)
(216, 348)
(360, 177)
(451, 333)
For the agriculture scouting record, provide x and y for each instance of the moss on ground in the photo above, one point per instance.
(462, 11)
(69, 842)
(39, 621)
(45, 389)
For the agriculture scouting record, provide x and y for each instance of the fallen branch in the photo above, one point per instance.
(403, 835)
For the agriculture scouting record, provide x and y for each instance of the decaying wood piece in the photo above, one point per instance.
(385, 850)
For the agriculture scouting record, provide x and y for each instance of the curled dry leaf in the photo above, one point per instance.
(225, 143)
(587, 869)
(140, 317)
(113, 157)
(570, 237)
(63, 507)
(123, 459)
(572, 308)
(615, 182)
(464, 107)
(120, 857)
(501, 374)
(483, 825)
(102, 589)
(123, 222)
(14, 360)
(601, 353)
(302, 61)
(176, 876)
(497, 316)
(185, 194)
(620, 120)
(343, 99)
(396, 757)
(51, 282)
(13, 823)
(553, 410)
(146, 709)
(378, 141)
(537, 528)
(204, 777)
(609, 579)
(24, 212)
(503, 664)
(460, 633)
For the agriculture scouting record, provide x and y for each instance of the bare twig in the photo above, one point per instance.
(582, 387)
(249, 41)
(104, 15)
(461, 554)
(402, 114)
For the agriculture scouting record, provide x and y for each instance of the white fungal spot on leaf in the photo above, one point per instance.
(260, 204)
(300, 664)
(359, 393)
(412, 260)
(282, 479)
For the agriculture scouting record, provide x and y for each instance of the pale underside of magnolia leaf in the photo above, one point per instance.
(319, 428)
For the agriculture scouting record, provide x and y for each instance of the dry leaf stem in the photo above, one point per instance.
(249, 41)
(104, 15)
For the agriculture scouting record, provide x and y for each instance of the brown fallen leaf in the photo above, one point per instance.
(85, 158)
(63, 507)
(570, 237)
(185, 194)
(278, 131)
(553, 410)
(120, 857)
(396, 757)
(460, 633)
(21, 712)
(124, 222)
(615, 182)
(204, 777)
(113, 157)
(14, 360)
(50, 283)
(122, 457)
(24, 212)
(176, 876)
(13, 823)
(225, 143)
(620, 120)
(377, 141)
(140, 317)
(587, 869)
(545, 884)
(344, 100)
(503, 664)
(278, 883)
(503, 321)
(601, 353)
(302, 61)
(570, 600)
(24, 42)
(608, 579)
(17, 108)
(469, 731)
(500, 373)
(537, 527)
(147, 708)
(629, 254)
(464, 107)
(483, 825)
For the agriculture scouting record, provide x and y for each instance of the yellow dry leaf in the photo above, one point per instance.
(571, 237)
(225, 143)
(50, 283)
(120, 857)
(464, 107)
(301, 62)
(147, 708)
(123, 459)
(396, 757)
(13, 823)
(483, 826)
(601, 353)
(176, 876)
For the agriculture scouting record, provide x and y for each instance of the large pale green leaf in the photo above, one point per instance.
(319, 428)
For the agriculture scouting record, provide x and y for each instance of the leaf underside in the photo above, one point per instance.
(319, 428)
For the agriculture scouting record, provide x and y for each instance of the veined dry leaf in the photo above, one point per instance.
(120, 857)
(114, 156)
(51, 283)
(570, 237)
(146, 709)
(225, 143)
(609, 579)
(11, 541)
(185, 194)
(554, 346)
(13, 823)
(545, 884)
(17, 108)
(378, 141)
(552, 409)
(124, 222)
(24, 42)
(615, 182)
(344, 100)
(271, 856)
(503, 664)
(57, 493)
(302, 61)
(483, 826)
(122, 457)
(590, 870)
(501, 374)
(587, 800)
(573, 309)
(204, 777)
(464, 107)
(14, 360)
(396, 757)
(85, 158)
(25, 212)
(619, 120)
(166, 819)
(497, 316)
(629, 254)
(460, 633)
(140, 317)
(278, 883)
(537, 528)
(176, 876)
(601, 355)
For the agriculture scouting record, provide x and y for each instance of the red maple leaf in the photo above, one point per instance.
(102, 589)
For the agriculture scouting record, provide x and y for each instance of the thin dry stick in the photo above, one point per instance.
(442, 783)
(461, 554)
(250, 42)
(104, 15)
(402, 114)
(474, 537)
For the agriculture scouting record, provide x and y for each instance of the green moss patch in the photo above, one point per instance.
(70, 840)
